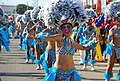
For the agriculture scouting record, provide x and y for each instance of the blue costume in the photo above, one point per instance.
(80, 32)
(40, 44)
(60, 13)
(91, 43)
(44, 58)
(109, 51)
(4, 37)
(61, 74)
(11, 28)
(113, 12)
(31, 42)
(20, 34)
(52, 54)
(111, 46)
(39, 29)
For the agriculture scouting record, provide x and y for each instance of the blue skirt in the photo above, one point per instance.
(109, 49)
(63, 75)
(31, 42)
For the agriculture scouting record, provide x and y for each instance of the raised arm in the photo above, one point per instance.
(46, 30)
(111, 35)
(78, 46)
(56, 37)
(42, 37)
(33, 28)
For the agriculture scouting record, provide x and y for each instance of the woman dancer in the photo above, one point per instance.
(90, 38)
(4, 37)
(63, 14)
(49, 56)
(40, 46)
(113, 47)
(31, 43)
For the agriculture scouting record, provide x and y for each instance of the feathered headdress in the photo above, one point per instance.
(1, 13)
(40, 14)
(27, 16)
(35, 12)
(70, 10)
(112, 9)
(90, 13)
(18, 18)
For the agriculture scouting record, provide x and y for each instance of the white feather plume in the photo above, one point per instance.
(112, 9)
(73, 10)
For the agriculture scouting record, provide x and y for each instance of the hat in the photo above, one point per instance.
(70, 11)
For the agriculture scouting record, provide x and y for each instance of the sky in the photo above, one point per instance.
(31, 2)
(16, 2)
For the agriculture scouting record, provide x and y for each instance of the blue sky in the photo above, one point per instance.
(16, 2)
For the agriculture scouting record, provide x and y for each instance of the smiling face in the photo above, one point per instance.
(66, 29)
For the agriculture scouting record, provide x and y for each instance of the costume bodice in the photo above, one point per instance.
(64, 49)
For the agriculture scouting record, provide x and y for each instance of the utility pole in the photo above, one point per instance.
(36, 2)
(27, 5)
(92, 2)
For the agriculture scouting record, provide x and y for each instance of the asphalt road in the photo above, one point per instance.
(14, 68)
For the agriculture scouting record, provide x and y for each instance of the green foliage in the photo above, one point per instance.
(21, 8)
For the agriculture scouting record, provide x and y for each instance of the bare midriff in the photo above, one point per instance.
(116, 41)
(51, 46)
(64, 62)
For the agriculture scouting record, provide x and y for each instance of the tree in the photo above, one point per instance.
(21, 8)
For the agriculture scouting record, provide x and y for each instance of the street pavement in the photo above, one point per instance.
(14, 68)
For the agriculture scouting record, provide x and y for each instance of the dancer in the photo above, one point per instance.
(4, 38)
(89, 38)
(113, 46)
(31, 43)
(79, 38)
(49, 56)
(40, 46)
(63, 14)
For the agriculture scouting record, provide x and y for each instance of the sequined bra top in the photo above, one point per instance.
(64, 49)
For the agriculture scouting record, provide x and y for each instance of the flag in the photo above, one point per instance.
(98, 9)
